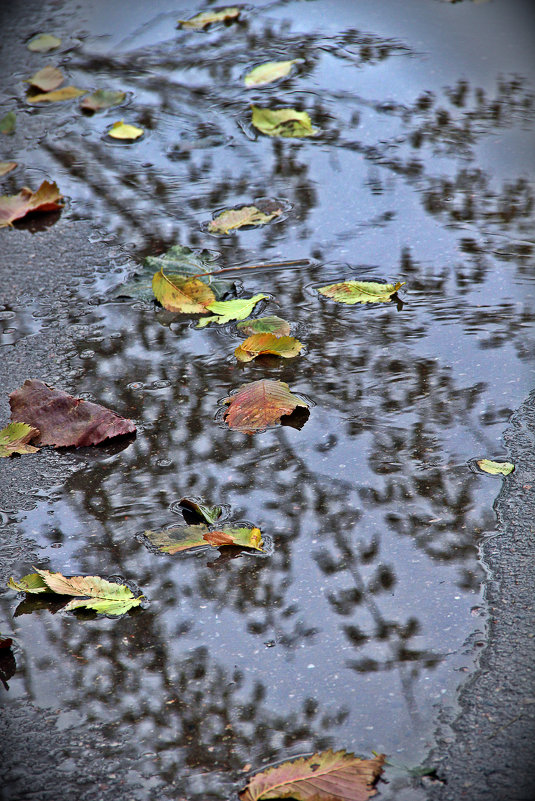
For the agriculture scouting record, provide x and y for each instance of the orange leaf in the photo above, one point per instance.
(13, 207)
(260, 404)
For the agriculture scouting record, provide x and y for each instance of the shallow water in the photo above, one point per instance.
(367, 610)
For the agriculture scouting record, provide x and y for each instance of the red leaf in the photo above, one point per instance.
(260, 404)
(63, 420)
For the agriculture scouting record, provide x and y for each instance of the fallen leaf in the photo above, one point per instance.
(328, 776)
(101, 99)
(59, 95)
(208, 513)
(14, 438)
(260, 404)
(178, 293)
(8, 122)
(13, 207)
(495, 468)
(183, 538)
(43, 42)
(257, 344)
(269, 72)
(5, 642)
(47, 79)
(99, 594)
(120, 130)
(283, 122)
(227, 310)
(360, 291)
(265, 325)
(7, 166)
(62, 420)
(200, 21)
(231, 219)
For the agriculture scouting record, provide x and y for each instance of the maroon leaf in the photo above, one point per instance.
(63, 420)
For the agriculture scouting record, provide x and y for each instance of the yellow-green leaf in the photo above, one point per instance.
(178, 293)
(102, 99)
(360, 291)
(227, 310)
(258, 344)
(43, 42)
(231, 219)
(103, 607)
(65, 93)
(8, 123)
(265, 325)
(200, 21)
(121, 130)
(7, 166)
(32, 583)
(47, 79)
(269, 72)
(495, 468)
(183, 538)
(14, 438)
(283, 122)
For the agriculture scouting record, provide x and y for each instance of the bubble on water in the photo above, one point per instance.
(135, 385)
(164, 462)
(160, 384)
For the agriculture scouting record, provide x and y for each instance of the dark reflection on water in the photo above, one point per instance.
(352, 633)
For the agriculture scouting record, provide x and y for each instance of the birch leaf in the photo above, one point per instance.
(258, 344)
(14, 438)
(47, 79)
(120, 130)
(351, 292)
(59, 95)
(265, 325)
(200, 21)
(102, 99)
(328, 776)
(43, 43)
(260, 404)
(231, 219)
(227, 310)
(283, 122)
(14, 207)
(183, 538)
(269, 72)
(7, 166)
(495, 468)
(178, 293)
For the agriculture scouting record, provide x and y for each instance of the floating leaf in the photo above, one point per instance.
(360, 291)
(200, 21)
(283, 122)
(120, 130)
(495, 468)
(269, 72)
(47, 79)
(43, 42)
(227, 310)
(7, 166)
(328, 776)
(101, 99)
(14, 438)
(59, 95)
(63, 420)
(182, 538)
(231, 219)
(258, 344)
(8, 122)
(13, 207)
(178, 293)
(100, 595)
(265, 325)
(260, 404)
(208, 513)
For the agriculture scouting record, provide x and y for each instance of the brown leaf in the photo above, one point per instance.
(329, 776)
(218, 538)
(260, 404)
(63, 420)
(13, 207)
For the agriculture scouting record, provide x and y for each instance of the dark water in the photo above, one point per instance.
(363, 618)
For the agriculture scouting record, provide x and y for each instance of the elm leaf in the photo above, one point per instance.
(269, 72)
(13, 207)
(121, 130)
(200, 21)
(178, 293)
(495, 468)
(327, 776)
(14, 438)
(265, 325)
(259, 344)
(43, 43)
(47, 79)
(352, 292)
(283, 122)
(62, 420)
(183, 538)
(227, 310)
(102, 99)
(260, 404)
(58, 96)
(8, 122)
(231, 219)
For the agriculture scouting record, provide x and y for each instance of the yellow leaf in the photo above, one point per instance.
(120, 130)
(200, 21)
(66, 93)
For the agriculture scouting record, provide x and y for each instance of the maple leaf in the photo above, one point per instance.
(231, 219)
(286, 122)
(63, 420)
(183, 538)
(269, 72)
(260, 404)
(179, 293)
(14, 207)
(328, 776)
(351, 292)
(14, 438)
(259, 344)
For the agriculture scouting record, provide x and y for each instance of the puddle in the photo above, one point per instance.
(369, 611)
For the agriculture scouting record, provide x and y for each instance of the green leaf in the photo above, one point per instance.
(351, 292)
(265, 325)
(178, 293)
(14, 438)
(101, 99)
(183, 538)
(283, 122)
(120, 130)
(103, 607)
(259, 344)
(30, 583)
(43, 43)
(208, 513)
(58, 96)
(495, 468)
(227, 310)
(269, 72)
(231, 219)
(200, 21)
(8, 123)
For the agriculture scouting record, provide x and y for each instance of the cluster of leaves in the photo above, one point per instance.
(47, 80)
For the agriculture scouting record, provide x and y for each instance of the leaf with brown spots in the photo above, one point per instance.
(14, 207)
(260, 404)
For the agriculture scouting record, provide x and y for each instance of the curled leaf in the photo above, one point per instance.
(200, 21)
(13, 207)
(283, 122)
(207, 513)
(495, 468)
(227, 310)
(351, 292)
(32, 583)
(265, 325)
(43, 43)
(120, 130)
(238, 218)
(178, 293)
(183, 538)
(59, 95)
(102, 99)
(63, 420)
(8, 123)
(7, 166)
(14, 438)
(260, 404)
(258, 344)
(47, 79)
(269, 72)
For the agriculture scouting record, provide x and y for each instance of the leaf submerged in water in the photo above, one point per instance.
(102, 99)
